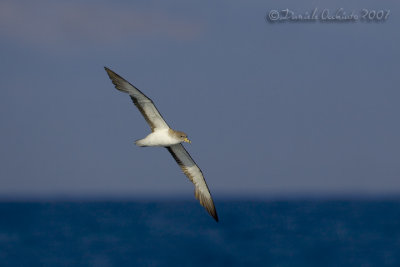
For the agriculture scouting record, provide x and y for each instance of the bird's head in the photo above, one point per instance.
(182, 136)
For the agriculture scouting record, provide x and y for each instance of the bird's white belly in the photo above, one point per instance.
(158, 138)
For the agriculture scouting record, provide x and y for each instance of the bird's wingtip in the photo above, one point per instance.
(109, 72)
(216, 218)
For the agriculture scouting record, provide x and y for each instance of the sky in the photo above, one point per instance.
(272, 109)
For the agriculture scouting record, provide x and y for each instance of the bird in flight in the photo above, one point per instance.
(163, 136)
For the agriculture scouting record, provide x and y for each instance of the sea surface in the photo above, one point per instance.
(177, 233)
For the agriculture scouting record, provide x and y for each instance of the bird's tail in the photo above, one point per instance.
(140, 142)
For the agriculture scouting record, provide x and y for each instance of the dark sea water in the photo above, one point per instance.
(270, 233)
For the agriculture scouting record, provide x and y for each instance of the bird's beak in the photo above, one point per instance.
(187, 140)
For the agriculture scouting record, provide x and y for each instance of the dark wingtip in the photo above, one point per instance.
(214, 214)
(216, 217)
(109, 72)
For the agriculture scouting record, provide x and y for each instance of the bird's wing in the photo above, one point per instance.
(141, 101)
(195, 175)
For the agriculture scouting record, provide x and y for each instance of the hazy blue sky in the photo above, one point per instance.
(271, 109)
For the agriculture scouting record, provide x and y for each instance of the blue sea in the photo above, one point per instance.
(178, 233)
